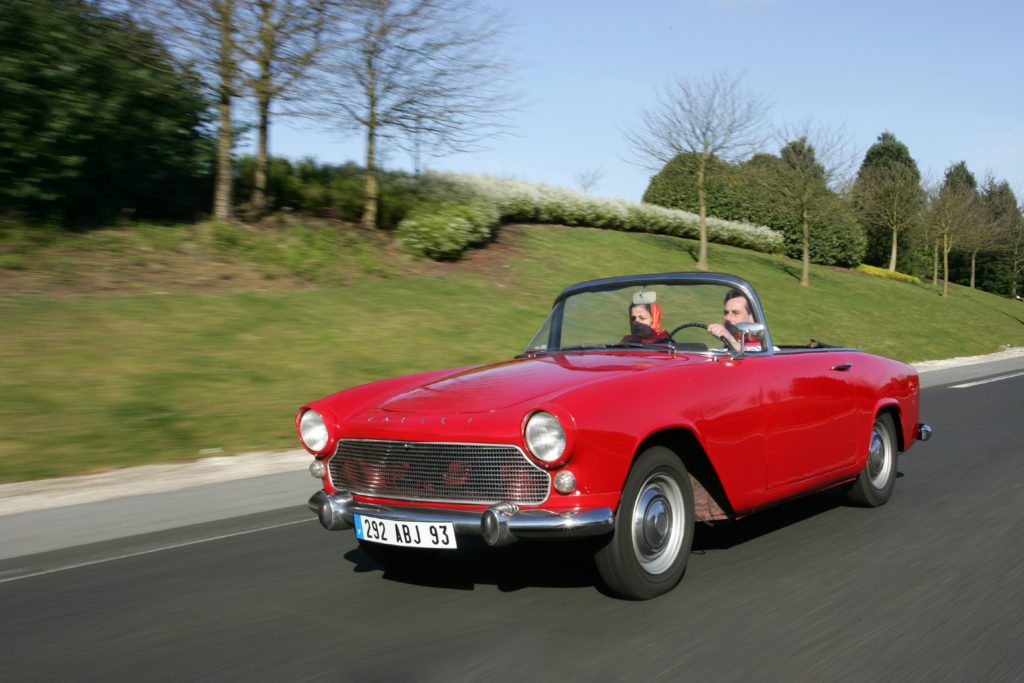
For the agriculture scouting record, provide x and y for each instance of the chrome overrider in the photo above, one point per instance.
(924, 432)
(500, 524)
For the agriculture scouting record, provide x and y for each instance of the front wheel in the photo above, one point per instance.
(650, 545)
(876, 482)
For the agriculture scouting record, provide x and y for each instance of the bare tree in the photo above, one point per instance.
(203, 34)
(1000, 229)
(952, 212)
(813, 160)
(991, 228)
(713, 117)
(929, 229)
(1016, 248)
(587, 180)
(834, 149)
(423, 75)
(801, 186)
(890, 196)
(279, 39)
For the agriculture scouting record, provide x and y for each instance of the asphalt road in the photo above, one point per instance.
(929, 587)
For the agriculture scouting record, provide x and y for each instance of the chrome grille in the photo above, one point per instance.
(439, 472)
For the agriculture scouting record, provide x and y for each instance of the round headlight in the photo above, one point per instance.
(313, 431)
(544, 436)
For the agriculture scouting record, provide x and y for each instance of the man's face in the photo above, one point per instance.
(736, 311)
(640, 322)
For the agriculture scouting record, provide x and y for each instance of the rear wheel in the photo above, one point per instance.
(647, 553)
(876, 482)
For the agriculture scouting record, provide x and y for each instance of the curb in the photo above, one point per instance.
(42, 494)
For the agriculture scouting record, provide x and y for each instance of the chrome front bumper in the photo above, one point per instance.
(499, 524)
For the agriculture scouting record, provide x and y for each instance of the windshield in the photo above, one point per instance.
(663, 316)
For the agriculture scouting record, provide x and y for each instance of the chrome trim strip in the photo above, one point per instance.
(504, 522)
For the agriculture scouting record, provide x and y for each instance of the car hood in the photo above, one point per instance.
(494, 387)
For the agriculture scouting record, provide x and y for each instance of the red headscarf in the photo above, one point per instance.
(657, 334)
(655, 317)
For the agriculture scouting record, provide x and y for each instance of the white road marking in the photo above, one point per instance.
(113, 558)
(986, 381)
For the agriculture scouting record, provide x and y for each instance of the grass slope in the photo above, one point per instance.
(90, 382)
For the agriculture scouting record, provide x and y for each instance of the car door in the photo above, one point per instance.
(810, 404)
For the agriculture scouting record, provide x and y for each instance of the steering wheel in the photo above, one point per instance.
(683, 327)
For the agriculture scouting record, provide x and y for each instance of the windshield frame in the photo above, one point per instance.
(553, 321)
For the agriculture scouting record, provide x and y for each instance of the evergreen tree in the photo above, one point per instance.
(888, 198)
(94, 122)
(999, 238)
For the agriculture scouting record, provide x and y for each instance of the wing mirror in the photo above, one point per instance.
(750, 332)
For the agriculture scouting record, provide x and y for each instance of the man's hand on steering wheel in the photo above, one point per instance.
(727, 332)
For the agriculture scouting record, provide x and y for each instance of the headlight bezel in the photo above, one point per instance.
(314, 434)
(549, 436)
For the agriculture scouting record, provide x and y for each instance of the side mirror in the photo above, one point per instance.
(749, 332)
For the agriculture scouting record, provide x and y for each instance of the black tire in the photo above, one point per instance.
(648, 550)
(397, 557)
(875, 484)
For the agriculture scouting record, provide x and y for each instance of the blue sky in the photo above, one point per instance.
(947, 78)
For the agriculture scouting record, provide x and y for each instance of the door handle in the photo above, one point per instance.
(842, 367)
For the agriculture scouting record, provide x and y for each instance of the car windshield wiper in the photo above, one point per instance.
(599, 347)
(560, 349)
(640, 345)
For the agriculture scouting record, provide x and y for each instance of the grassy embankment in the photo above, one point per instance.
(132, 376)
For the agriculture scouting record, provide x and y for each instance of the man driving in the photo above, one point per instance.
(736, 310)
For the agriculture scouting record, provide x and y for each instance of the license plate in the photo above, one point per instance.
(409, 534)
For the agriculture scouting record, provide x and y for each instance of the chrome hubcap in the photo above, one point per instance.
(657, 527)
(879, 458)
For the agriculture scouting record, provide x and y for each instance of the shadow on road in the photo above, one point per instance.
(724, 535)
(560, 564)
(521, 565)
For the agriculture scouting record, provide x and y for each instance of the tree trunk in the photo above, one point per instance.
(805, 278)
(945, 266)
(225, 68)
(892, 257)
(263, 88)
(370, 191)
(222, 188)
(702, 259)
(974, 266)
(259, 181)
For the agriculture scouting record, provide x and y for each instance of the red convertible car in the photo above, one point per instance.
(638, 409)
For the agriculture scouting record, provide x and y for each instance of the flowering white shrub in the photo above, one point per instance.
(517, 201)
